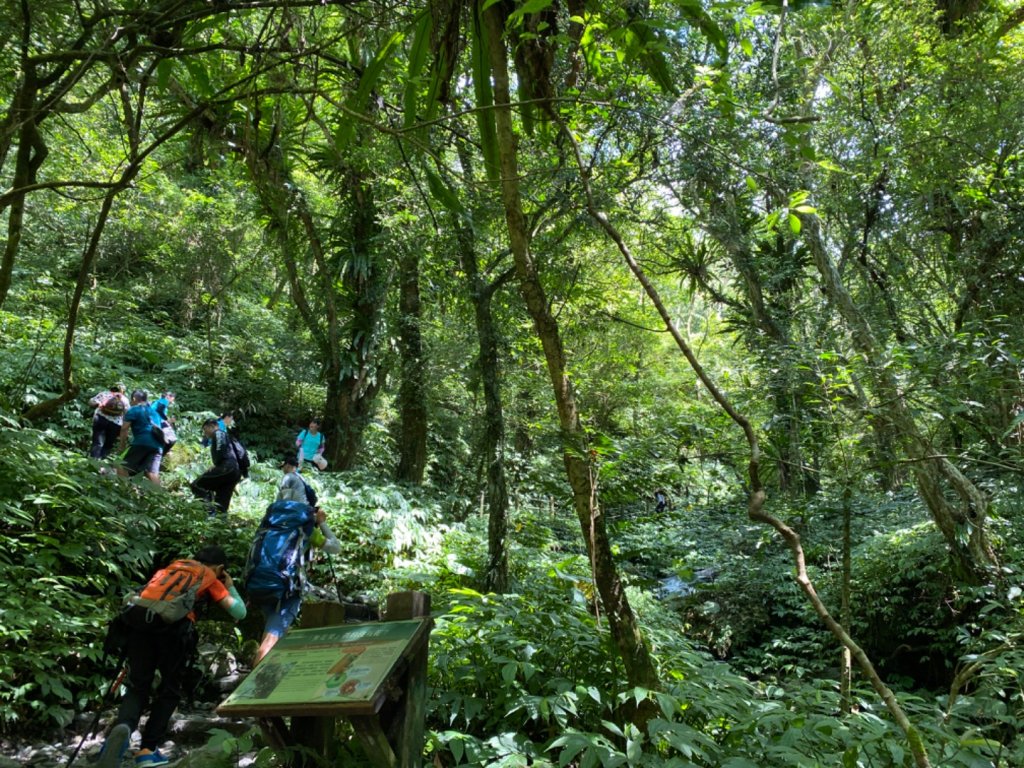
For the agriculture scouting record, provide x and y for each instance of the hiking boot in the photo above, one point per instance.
(150, 759)
(115, 746)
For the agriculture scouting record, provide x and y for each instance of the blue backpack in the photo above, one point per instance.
(275, 563)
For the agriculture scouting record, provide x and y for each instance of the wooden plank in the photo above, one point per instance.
(322, 614)
(374, 742)
(406, 725)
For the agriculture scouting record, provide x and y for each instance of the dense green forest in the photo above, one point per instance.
(534, 262)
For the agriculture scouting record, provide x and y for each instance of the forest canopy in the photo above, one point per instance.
(674, 347)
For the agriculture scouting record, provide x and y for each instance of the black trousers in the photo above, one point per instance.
(104, 437)
(217, 484)
(168, 650)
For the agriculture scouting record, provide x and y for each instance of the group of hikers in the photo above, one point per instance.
(157, 625)
(150, 429)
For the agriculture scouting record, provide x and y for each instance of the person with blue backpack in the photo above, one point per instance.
(276, 568)
(293, 486)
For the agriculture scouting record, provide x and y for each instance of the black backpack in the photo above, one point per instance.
(241, 455)
(310, 493)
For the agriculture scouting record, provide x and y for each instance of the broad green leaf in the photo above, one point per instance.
(484, 99)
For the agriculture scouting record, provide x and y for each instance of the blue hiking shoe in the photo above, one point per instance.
(150, 759)
(115, 746)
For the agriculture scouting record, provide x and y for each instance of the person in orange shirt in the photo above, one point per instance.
(158, 641)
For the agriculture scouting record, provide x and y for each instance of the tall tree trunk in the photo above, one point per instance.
(757, 497)
(774, 339)
(845, 615)
(29, 157)
(492, 440)
(349, 363)
(934, 474)
(636, 659)
(47, 408)
(412, 395)
(351, 397)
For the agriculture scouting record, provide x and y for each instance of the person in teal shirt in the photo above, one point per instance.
(145, 454)
(310, 444)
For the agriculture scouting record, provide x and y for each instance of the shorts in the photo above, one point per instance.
(318, 460)
(279, 612)
(142, 458)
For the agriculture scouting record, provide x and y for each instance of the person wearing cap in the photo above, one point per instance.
(107, 420)
(219, 481)
(145, 454)
(293, 486)
(153, 646)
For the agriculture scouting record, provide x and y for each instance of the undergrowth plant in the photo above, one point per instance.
(72, 543)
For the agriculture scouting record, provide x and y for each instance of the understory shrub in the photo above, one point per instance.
(72, 543)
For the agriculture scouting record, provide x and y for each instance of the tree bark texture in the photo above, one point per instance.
(639, 666)
(348, 345)
(935, 476)
(481, 292)
(412, 393)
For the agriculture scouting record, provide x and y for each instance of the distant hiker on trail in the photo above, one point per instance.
(107, 420)
(162, 638)
(276, 569)
(163, 404)
(218, 483)
(225, 422)
(146, 451)
(660, 500)
(310, 444)
(293, 486)
(161, 407)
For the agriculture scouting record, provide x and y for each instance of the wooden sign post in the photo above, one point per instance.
(374, 674)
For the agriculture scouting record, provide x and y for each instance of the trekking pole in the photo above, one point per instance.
(337, 586)
(123, 670)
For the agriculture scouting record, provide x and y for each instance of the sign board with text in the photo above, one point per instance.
(339, 670)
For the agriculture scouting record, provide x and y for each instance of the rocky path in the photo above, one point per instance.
(190, 733)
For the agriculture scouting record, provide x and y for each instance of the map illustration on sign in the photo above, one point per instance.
(340, 665)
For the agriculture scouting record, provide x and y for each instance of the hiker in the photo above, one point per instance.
(219, 481)
(107, 420)
(660, 500)
(162, 637)
(310, 444)
(163, 404)
(275, 571)
(293, 486)
(161, 407)
(225, 423)
(147, 450)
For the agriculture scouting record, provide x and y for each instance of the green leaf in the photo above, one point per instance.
(484, 99)
(417, 60)
(443, 193)
(529, 7)
(794, 224)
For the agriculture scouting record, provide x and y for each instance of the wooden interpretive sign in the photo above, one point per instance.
(343, 670)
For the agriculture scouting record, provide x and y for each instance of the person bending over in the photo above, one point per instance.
(157, 645)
